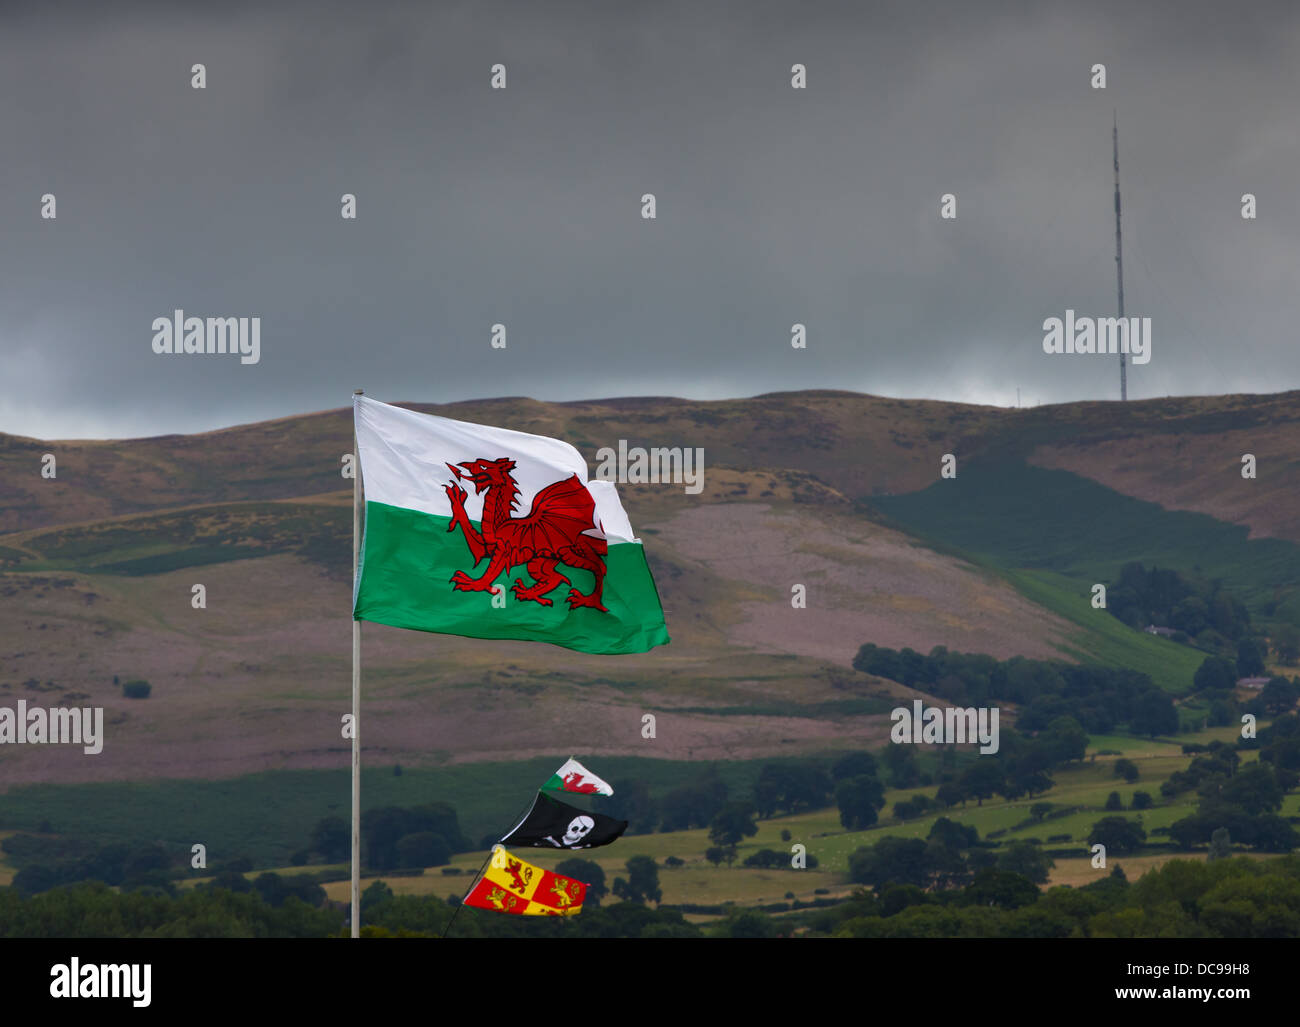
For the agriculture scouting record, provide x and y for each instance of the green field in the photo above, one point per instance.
(1053, 535)
(1020, 516)
(272, 806)
(268, 816)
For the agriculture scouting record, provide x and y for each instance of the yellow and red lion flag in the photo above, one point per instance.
(513, 886)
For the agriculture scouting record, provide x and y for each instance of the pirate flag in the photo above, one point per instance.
(552, 824)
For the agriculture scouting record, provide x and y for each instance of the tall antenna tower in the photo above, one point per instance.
(1119, 260)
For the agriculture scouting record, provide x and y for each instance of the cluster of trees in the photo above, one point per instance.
(782, 787)
(392, 837)
(989, 896)
(1101, 699)
(1244, 802)
(1216, 678)
(91, 909)
(1201, 612)
(1021, 767)
(1224, 898)
(950, 857)
(46, 862)
(295, 906)
(690, 806)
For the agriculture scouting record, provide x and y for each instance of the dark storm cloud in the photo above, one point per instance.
(775, 206)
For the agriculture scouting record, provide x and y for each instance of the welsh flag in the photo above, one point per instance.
(574, 777)
(513, 886)
(491, 533)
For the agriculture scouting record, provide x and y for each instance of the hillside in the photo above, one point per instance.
(832, 490)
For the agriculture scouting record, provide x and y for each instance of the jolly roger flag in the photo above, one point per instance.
(491, 533)
(552, 824)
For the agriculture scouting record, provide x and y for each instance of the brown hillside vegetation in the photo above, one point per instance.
(260, 679)
(855, 445)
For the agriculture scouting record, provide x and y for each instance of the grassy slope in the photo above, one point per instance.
(1032, 517)
(267, 816)
(1053, 535)
(280, 808)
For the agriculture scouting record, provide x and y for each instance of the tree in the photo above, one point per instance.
(1066, 740)
(590, 873)
(332, 839)
(1040, 809)
(859, 798)
(981, 779)
(632, 802)
(733, 822)
(953, 835)
(422, 849)
(854, 764)
(1286, 643)
(906, 810)
(1119, 835)
(1220, 845)
(715, 854)
(1192, 615)
(748, 923)
(903, 770)
(1254, 789)
(1114, 802)
(1142, 800)
(1222, 713)
(1000, 888)
(946, 867)
(1154, 714)
(1215, 674)
(382, 828)
(1279, 696)
(1126, 769)
(1250, 658)
(694, 805)
(375, 894)
(791, 787)
(901, 860)
(1027, 859)
(642, 882)
(137, 689)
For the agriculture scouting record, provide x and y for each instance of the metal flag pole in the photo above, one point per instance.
(356, 685)
(1119, 257)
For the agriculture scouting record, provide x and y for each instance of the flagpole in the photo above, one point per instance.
(356, 687)
(491, 853)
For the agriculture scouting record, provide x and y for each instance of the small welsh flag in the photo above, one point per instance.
(574, 777)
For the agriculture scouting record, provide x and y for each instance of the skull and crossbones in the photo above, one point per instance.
(579, 828)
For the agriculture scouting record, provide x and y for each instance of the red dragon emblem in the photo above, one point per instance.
(553, 532)
(575, 782)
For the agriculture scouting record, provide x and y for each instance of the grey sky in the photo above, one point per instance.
(774, 205)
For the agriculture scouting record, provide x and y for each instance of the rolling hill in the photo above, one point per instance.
(836, 491)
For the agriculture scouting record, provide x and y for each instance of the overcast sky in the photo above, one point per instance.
(523, 206)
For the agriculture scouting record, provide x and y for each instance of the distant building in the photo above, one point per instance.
(1255, 683)
(1152, 629)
